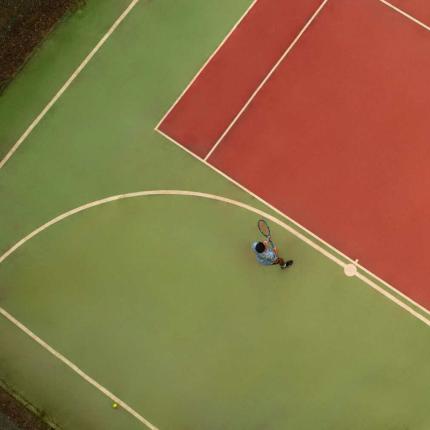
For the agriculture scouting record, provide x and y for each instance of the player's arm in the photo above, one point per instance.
(271, 245)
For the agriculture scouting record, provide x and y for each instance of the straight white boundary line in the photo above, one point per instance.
(385, 293)
(405, 14)
(76, 369)
(67, 83)
(208, 61)
(298, 225)
(268, 76)
(188, 194)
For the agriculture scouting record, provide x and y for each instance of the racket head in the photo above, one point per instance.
(264, 228)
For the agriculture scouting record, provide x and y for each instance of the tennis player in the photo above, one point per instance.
(267, 254)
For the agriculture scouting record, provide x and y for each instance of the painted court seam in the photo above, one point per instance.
(67, 83)
(191, 194)
(267, 77)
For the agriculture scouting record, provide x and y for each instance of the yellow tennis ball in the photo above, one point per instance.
(114, 405)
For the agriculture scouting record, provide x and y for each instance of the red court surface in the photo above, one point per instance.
(245, 59)
(337, 138)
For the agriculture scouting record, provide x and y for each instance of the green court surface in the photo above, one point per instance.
(158, 298)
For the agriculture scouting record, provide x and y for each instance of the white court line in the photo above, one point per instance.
(400, 303)
(245, 206)
(405, 14)
(301, 236)
(76, 369)
(268, 76)
(207, 61)
(67, 84)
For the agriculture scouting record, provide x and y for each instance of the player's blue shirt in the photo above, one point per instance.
(266, 258)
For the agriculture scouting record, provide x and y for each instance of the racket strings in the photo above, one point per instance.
(264, 228)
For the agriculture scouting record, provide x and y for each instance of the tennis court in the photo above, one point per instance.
(126, 274)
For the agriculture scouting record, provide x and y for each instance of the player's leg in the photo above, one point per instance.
(286, 264)
(280, 261)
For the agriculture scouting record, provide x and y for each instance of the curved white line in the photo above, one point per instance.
(175, 193)
(245, 206)
(236, 203)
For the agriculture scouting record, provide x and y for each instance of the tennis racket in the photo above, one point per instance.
(265, 231)
(264, 228)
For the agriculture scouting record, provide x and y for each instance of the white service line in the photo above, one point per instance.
(268, 76)
(207, 62)
(300, 235)
(405, 14)
(76, 369)
(67, 84)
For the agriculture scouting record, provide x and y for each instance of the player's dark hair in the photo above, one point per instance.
(260, 247)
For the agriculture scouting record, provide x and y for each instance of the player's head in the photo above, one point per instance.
(260, 247)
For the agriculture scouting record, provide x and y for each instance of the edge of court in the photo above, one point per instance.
(76, 369)
(66, 85)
